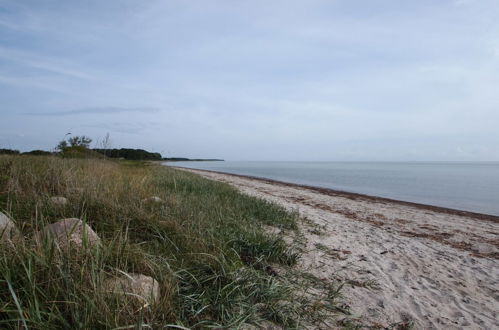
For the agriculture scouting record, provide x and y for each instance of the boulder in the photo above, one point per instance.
(152, 200)
(69, 232)
(262, 325)
(76, 190)
(8, 230)
(58, 201)
(139, 287)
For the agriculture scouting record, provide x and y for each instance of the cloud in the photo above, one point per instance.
(53, 65)
(254, 80)
(463, 2)
(95, 110)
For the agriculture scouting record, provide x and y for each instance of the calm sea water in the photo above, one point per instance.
(458, 185)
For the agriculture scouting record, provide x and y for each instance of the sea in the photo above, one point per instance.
(468, 186)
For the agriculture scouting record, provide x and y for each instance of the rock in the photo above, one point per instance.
(284, 305)
(136, 286)
(58, 201)
(76, 190)
(8, 230)
(69, 232)
(262, 325)
(152, 200)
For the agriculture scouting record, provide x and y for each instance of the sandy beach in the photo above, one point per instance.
(401, 262)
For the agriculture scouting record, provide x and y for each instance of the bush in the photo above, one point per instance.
(37, 153)
(9, 152)
(130, 154)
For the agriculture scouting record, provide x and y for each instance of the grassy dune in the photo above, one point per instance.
(205, 245)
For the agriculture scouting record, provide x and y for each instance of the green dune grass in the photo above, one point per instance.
(205, 245)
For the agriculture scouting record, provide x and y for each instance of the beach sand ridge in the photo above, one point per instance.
(400, 263)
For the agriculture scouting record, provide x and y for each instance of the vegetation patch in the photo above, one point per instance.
(202, 242)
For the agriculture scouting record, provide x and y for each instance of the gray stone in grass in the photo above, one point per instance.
(152, 200)
(284, 305)
(70, 232)
(138, 287)
(8, 230)
(76, 190)
(262, 325)
(58, 201)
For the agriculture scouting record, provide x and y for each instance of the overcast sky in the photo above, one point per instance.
(259, 80)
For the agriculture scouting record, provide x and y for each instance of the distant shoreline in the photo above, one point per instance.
(190, 160)
(359, 196)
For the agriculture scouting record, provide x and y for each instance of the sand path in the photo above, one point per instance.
(402, 263)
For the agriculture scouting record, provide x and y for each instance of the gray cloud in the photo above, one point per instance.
(318, 79)
(124, 127)
(94, 111)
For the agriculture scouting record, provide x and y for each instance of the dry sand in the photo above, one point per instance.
(403, 262)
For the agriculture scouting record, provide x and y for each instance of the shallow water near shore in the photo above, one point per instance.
(468, 186)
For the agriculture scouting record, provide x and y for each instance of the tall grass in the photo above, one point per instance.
(205, 245)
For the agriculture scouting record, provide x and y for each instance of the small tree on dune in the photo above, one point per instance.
(75, 141)
(106, 143)
(62, 145)
(80, 141)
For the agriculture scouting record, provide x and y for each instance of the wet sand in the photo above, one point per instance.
(403, 262)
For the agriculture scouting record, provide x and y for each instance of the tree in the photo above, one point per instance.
(74, 142)
(131, 154)
(80, 141)
(9, 152)
(62, 145)
(37, 153)
(106, 143)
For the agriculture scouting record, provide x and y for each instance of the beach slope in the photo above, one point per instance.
(401, 263)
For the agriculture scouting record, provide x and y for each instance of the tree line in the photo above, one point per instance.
(131, 154)
(124, 153)
(79, 147)
(30, 153)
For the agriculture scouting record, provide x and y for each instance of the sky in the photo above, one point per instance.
(321, 80)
